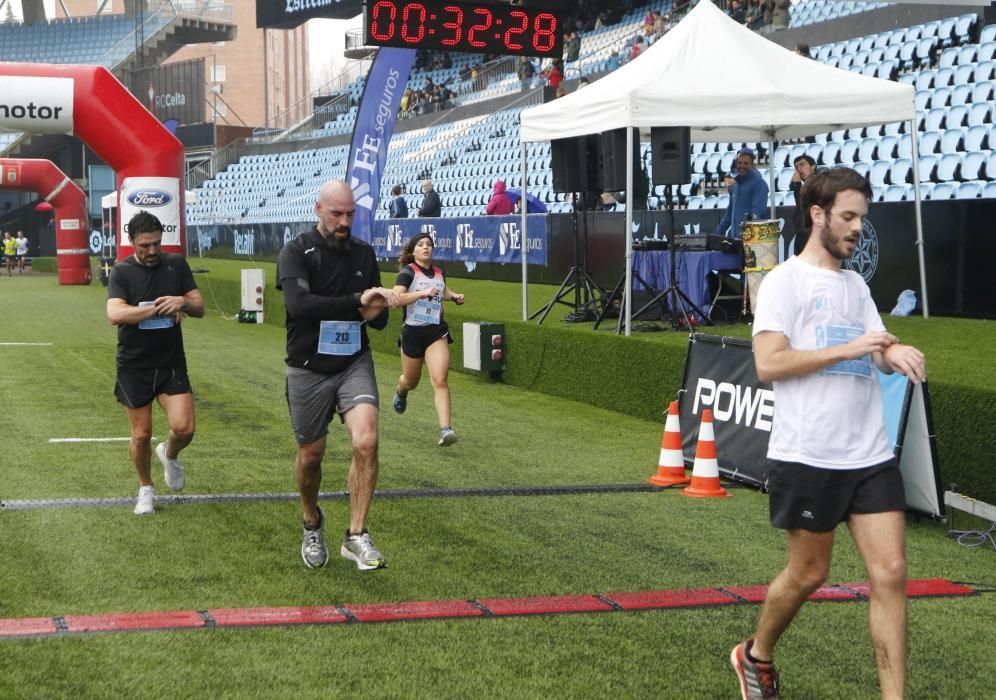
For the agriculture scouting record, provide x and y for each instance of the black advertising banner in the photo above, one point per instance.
(287, 14)
(720, 375)
(173, 91)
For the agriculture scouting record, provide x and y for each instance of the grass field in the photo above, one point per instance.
(91, 560)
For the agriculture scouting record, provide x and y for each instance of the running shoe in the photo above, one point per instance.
(146, 504)
(400, 403)
(447, 437)
(360, 549)
(313, 550)
(172, 469)
(758, 680)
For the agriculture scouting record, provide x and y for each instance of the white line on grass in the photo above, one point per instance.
(53, 441)
(33, 345)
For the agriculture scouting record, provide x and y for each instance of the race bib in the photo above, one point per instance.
(156, 322)
(831, 335)
(427, 310)
(339, 338)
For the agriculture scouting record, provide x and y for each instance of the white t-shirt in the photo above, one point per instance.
(22, 246)
(833, 418)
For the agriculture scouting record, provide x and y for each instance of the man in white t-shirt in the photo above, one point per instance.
(22, 251)
(818, 338)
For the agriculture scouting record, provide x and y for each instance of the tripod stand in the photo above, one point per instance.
(577, 280)
(680, 303)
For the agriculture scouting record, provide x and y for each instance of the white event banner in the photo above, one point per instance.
(160, 196)
(36, 105)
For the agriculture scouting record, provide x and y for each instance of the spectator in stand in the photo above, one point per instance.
(648, 22)
(748, 196)
(406, 100)
(804, 166)
(500, 203)
(398, 207)
(756, 10)
(780, 14)
(736, 12)
(637, 48)
(525, 72)
(555, 75)
(572, 47)
(561, 92)
(431, 206)
(660, 21)
(803, 50)
(614, 61)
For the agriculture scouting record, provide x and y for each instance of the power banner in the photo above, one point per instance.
(720, 375)
(372, 132)
(483, 239)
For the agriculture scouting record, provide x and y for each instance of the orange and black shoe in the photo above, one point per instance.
(758, 679)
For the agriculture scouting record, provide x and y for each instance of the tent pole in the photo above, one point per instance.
(525, 234)
(771, 175)
(629, 233)
(919, 217)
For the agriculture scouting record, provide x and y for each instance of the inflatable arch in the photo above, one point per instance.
(69, 205)
(91, 104)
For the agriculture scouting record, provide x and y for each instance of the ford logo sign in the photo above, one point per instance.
(150, 198)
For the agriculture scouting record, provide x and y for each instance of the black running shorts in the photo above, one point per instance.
(415, 340)
(817, 500)
(137, 387)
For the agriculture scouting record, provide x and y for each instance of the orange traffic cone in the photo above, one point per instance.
(671, 466)
(705, 470)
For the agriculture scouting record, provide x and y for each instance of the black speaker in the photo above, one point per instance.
(576, 164)
(614, 158)
(670, 150)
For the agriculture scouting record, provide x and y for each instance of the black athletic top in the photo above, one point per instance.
(147, 348)
(335, 280)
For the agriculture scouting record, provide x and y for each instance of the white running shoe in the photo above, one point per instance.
(146, 504)
(172, 469)
(447, 437)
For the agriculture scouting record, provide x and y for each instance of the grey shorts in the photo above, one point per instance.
(817, 500)
(314, 398)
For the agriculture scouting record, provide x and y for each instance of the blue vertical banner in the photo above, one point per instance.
(372, 132)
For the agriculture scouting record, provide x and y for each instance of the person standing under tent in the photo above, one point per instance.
(748, 196)
(148, 296)
(22, 251)
(804, 166)
(425, 336)
(818, 338)
(331, 286)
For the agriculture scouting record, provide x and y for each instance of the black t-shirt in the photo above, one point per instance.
(335, 280)
(147, 348)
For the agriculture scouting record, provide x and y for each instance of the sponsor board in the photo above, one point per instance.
(160, 196)
(496, 239)
(36, 105)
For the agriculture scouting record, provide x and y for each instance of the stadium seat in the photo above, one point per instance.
(969, 190)
(925, 51)
(830, 154)
(952, 140)
(956, 116)
(967, 54)
(948, 58)
(927, 167)
(980, 114)
(973, 166)
(934, 119)
(849, 151)
(928, 142)
(886, 148)
(866, 150)
(987, 34)
(947, 167)
(986, 51)
(982, 91)
(945, 31)
(985, 70)
(894, 193)
(924, 79)
(940, 191)
(922, 98)
(964, 27)
(878, 173)
(900, 172)
(940, 97)
(976, 137)
(961, 95)
(989, 190)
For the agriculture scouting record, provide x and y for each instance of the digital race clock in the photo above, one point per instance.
(463, 26)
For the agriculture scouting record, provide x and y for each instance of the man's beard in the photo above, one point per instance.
(340, 244)
(834, 247)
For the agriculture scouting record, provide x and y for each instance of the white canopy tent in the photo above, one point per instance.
(727, 83)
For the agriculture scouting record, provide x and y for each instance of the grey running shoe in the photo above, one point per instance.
(447, 437)
(758, 680)
(400, 403)
(360, 549)
(172, 469)
(146, 504)
(313, 550)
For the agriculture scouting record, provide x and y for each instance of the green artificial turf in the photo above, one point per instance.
(244, 554)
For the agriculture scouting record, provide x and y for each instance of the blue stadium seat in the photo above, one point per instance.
(927, 168)
(886, 149)
(980, 114)
(948, 58)
(894, 193)
(986, 51)
(967, 54)
(830, 154)
(945, 32)
(947, 167)
(921, 99)
(929, 142)
(926, 50)
(985, 70)
(956, 116)
(849, 151)
(952, 140)
(878, 173)
(901, 171)
(866, 150)
(988, 33)
(964, 26)
(942, 190)
(991, 165)
(940, 97)
(924, 79)
(934, 119)
(968, 190)
(976, 137)
(973, 166)
(961, 95)
(989, 190)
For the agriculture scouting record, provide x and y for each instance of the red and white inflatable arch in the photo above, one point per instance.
(69, 205)
(91, 104)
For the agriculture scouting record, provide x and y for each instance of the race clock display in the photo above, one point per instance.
(464, 26)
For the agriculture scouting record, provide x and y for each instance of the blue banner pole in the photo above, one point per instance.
(375, 118)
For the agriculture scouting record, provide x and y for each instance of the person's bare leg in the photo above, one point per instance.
(437, 360)
(308, 471)
(179, 410)
(361, 420)
(140, 446)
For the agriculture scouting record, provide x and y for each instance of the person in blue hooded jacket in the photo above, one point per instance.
(748, 196)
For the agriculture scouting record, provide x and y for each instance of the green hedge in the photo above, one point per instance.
(638, 378)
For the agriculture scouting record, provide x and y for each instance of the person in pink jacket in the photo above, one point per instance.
(500, 202)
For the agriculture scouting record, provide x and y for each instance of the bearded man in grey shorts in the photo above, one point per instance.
(332, 292)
